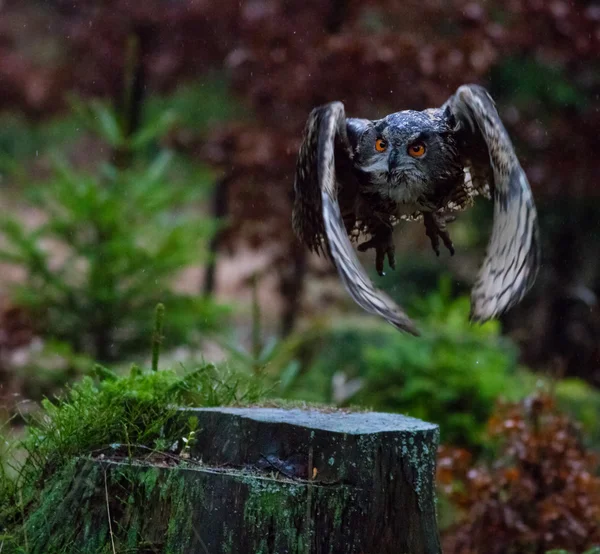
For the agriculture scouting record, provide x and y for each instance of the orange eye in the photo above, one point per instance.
(380, 145)
(416, 150)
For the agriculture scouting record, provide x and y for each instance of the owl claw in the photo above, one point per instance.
(435, 228)
(383, 243)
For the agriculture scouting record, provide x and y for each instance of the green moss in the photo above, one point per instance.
(64, 513)
(73, 509)
(133, 532)
(185, 496)
(277, 507)
(337, 503)
(127, 415)
(148, 480)
(164, 514)
(172, 509)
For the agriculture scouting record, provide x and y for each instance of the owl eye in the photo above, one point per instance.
(416, 150)
(380, 145)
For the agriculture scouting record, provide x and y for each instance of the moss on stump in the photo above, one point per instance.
(259, 481)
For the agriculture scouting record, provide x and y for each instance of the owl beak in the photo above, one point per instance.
(393, 170)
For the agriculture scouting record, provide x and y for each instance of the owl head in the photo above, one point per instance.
(407, 154)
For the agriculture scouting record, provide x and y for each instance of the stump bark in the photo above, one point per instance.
(258, 481)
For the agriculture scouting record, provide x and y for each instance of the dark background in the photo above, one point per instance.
(147, 153)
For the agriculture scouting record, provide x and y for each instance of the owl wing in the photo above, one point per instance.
(317, 218)
(512, 259)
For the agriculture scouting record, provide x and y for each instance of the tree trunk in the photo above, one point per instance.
(258, 480)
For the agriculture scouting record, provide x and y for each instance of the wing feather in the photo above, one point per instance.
(512, 259)
(326, 128)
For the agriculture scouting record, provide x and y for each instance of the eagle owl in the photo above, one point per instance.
(358, 178)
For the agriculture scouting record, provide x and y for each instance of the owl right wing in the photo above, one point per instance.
(317, 218)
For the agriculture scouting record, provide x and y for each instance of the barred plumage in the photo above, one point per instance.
(512, 259)
(353, 275)
(346, 186)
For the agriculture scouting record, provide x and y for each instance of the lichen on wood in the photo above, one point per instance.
(258, 480)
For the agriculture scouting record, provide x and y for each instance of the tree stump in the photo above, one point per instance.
(258, 481)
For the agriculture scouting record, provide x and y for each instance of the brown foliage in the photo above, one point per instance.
(286, 56)
(387, 56)
(542, 492)
(83, 46)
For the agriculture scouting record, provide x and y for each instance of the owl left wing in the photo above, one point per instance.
(512, 258)
(316, 187)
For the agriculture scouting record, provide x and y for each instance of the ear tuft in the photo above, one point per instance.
(355, 129)
(450, 119)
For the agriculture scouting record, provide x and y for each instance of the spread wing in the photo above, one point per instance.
(317, 218)
(512, 259)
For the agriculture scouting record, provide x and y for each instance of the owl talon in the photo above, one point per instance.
(435, 228)
(383, 243)
(447, 242)
(379, 261)
(391, 258)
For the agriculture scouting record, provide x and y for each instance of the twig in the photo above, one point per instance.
(151, 451)
(157, 336)
(256, 324)
(112, 540)
(220, 210)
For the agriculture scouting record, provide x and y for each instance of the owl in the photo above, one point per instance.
(357, 178)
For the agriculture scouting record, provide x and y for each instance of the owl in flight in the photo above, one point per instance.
(358, 178)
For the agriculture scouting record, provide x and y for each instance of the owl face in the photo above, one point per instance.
(406, 154)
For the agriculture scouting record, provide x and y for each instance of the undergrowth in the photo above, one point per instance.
(539, 491)
(103, 411)
(112, 238)
(451, 375)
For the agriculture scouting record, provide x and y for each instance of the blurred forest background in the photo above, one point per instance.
(147, 154)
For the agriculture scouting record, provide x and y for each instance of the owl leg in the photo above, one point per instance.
(436, 228)
(383, 243)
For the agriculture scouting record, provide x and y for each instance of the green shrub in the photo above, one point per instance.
(451, 375)
(528, 81)
(582, 402)
(112, 242)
